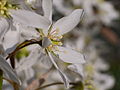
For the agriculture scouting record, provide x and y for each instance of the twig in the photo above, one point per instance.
(52, 84)
(22, 45)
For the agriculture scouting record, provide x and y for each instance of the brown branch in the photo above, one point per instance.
(22, 45)
(52, 84)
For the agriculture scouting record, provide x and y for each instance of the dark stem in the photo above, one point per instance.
(20, 46)
(24, 44)
(52, 84)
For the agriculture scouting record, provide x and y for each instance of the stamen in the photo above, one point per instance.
(55, 31)
(5, 6)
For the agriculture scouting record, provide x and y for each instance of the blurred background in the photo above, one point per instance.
(100, 26)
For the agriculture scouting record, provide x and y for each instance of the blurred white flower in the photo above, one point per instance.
(95, 11)
(4, 66)
(103, 81)
(100, 11)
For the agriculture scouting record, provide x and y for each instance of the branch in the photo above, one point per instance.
(22, 45)
(52, 84)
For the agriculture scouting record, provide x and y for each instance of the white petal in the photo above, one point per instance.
(30, 18)
(47, 8)
(11, 49)
(4, 26)
(29, 61)
(45, 60)
(8, 71)
(29, 73)
(70, 56)
(63, 76)
(27, 33)
(78, 68)
(11, 38)
(67, 23)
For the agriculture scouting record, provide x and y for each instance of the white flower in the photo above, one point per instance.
(52, 33)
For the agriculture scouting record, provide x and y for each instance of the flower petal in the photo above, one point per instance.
(30, 18)
(78, 68)
(29, 61)
(11, 49)
(27, 33)
(4, 26)
(11, 38)
(63, 76)
(67, 23)
(47, 8)
(8, 71)
(70, 56)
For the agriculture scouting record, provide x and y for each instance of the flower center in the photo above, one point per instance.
(55, 40)
(5, 6)
(55, 37)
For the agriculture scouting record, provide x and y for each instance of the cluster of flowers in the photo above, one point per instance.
(32, 45)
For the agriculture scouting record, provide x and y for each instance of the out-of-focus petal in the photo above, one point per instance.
(47, 8)
(8, 71)
(4, 26)
(28, 62)
(78, 68)
(10, 39)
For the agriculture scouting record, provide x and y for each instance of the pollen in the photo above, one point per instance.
(50, 47)
(5, 6)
